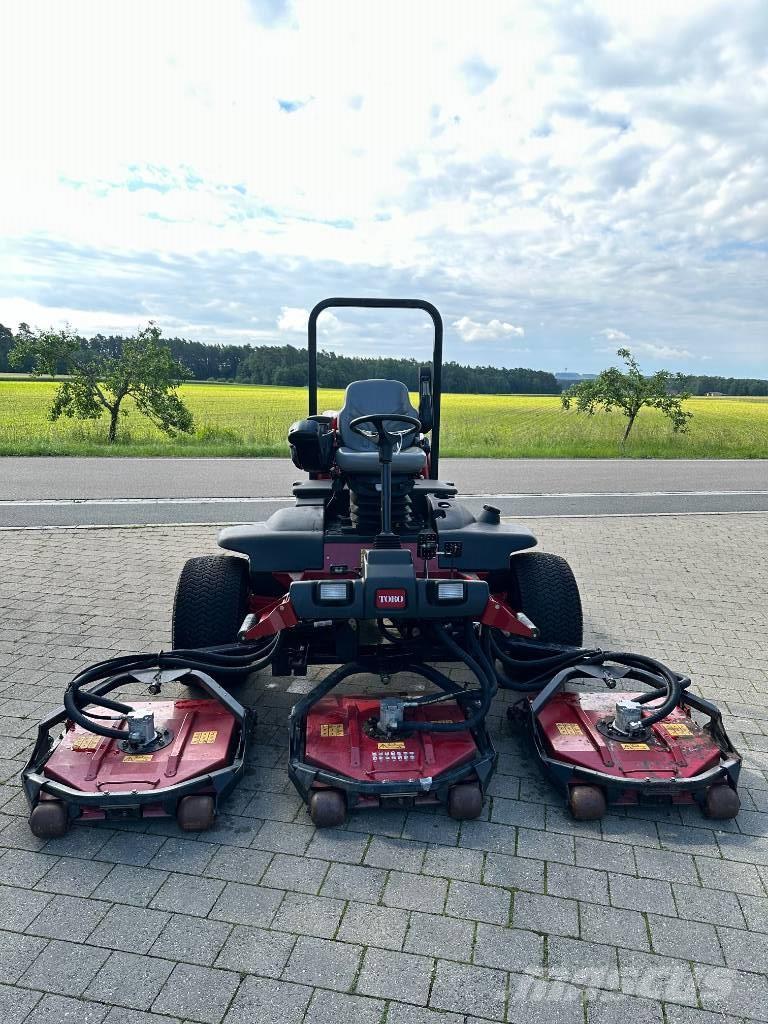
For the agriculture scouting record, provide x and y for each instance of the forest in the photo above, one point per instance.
(286, 365)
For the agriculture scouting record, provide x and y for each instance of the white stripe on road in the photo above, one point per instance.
(511, 519)
(276, 500)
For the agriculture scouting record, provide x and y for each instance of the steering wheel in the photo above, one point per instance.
(384, 439)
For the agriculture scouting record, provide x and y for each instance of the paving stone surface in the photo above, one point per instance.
(404, 917)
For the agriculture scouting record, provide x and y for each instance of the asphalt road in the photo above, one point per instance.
(79, 492)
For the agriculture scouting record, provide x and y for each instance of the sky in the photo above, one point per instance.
(560, 179)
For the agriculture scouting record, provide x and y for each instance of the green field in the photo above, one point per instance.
(252, 420)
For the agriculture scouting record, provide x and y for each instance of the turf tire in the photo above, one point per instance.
(211, 601)
(544, 587)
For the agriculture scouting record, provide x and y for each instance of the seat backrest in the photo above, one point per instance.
(363, 396)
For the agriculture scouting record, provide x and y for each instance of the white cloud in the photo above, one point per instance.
(471, 330)
(293, 319)
(471, 176)
(664, 351)
(611, 334)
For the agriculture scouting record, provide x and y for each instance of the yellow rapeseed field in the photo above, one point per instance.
(232, 419)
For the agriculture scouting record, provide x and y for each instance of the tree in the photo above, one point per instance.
(630, 391)
(142, 368)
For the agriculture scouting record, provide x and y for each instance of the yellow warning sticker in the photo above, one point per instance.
(205, 737)
(677, 729)
(332, 729)
(87, 742)
(137, 758)
(635, 746)
(569, 729)
(391, 746)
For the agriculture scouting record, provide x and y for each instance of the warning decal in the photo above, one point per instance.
(399, 745)
(635, 746)
(87, 742)
(208, 736)
(332, 729)
(137, 758)
(677, 729)
(569, 729)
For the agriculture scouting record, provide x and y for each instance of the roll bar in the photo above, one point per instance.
(437, 355)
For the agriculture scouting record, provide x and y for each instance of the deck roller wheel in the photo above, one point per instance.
(465, 801)
(327, 808)
(586, 803)
(196, 813)
(49, 819)
(721, 802)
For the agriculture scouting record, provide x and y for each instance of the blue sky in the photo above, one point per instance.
(559, 178)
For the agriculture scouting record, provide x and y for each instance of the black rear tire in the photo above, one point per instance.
(544, 587)
(211, 601)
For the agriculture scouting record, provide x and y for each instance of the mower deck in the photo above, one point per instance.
(199, 757)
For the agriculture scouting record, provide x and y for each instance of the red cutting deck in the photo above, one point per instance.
(339, 738)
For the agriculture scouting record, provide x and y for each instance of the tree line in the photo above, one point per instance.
(286, 365)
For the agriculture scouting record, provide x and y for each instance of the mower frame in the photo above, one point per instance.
(218, 783)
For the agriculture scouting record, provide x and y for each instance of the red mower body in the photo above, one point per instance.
(202, 737)
(677, 748)
(339, 739)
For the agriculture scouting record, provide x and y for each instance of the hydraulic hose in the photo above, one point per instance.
(484, 694)
(640, 667)
(222, 660)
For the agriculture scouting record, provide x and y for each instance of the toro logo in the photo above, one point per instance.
(391, 599)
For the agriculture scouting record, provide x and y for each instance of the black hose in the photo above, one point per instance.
(484, 694)
(223, 660)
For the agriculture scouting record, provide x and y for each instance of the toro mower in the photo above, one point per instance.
(378, 569)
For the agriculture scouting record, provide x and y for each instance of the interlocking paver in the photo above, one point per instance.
(690, 939)
(246, 904)
(641, 894)
(129, 980)
(323, 962)
(449, 862)
(577, 883)
(712, 905)
(610, 924)
(399, 854)
(129, 884)
(20, 907)
(420, 892)
(508, 947)
(374, 926)
(391, 975)
(438, 936)
(547, 914)
(334, 1007)
(130, 928)
(266, 1001)
(62, 1009)
(191, 939)
(256, 951)
(188, 894)
(268, 887)
(64, 968)
(476, 990)
(16, 1004)
(514, 872)
(197, 993)
(300, 874)
(478, 902)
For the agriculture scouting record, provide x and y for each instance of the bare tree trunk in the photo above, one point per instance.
(114, 412)
(632, 417)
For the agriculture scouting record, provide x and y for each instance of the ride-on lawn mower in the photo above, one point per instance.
(378, 569)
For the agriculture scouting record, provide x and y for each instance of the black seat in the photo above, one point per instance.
(357, 454)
